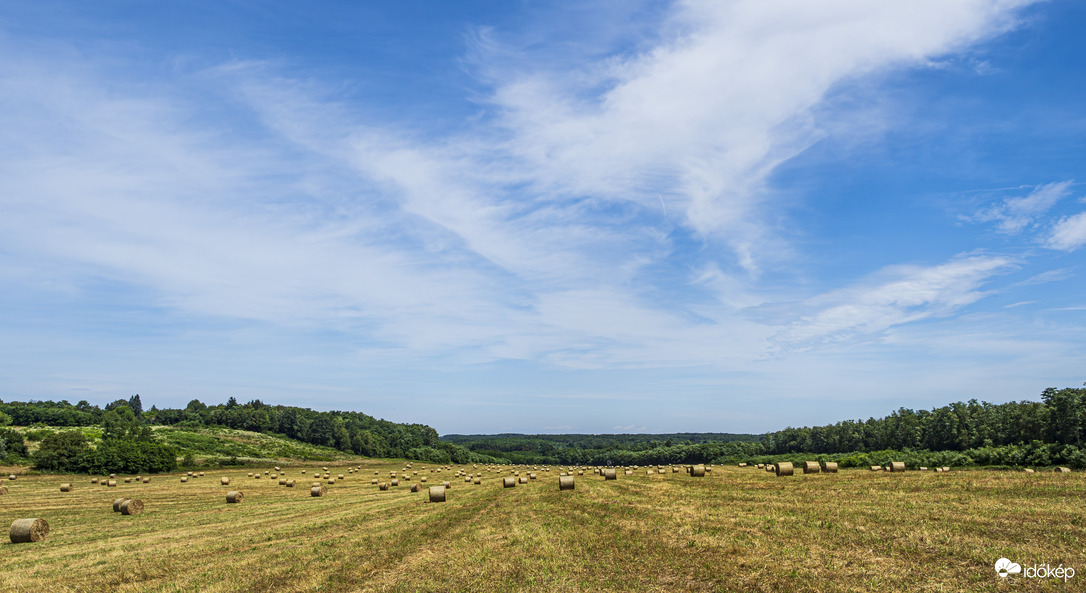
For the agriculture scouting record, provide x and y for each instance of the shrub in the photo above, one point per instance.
(61, 451)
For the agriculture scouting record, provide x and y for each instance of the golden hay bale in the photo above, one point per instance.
(224, 481)
(147, 480)
(265, 472)
(697, 471)
(923, 469)
(437, 494)
(476, 480)
(290, 483)
(66, 487)
(189, 474)
(373, 481)
(324, 468)
(132, 506)
(383, 485)
(257, 476)
(422, 479)
(112, 483)
(12, 476)
(938, 470)
(628, 472)
(250, 474)
(128, 480)
(876, 468)
(340, 476)
(1029, 471)
(112, 476)
(318, 490)
(897, 466)
(395, 482)
(784, 468)
(415, 487)
(830, 467)
(277, 468)
(447, 485)
(184, 479)
(1063, 470)
(610, 474)
(742, 465)
(331, 480)
(523, 480)
(467, 479)
(811, 467)
(565, 483)
(650, 472)
(28, 530)
(94, 480)
(234, 496)
(282, 481)
(117, 504)
(946, 469)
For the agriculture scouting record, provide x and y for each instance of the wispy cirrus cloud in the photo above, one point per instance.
(895, 296)
(1013, 215)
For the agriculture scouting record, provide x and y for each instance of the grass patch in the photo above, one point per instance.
(734, 530)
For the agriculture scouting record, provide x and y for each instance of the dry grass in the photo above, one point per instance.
(737, 529)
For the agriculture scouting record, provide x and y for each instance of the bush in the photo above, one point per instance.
(129, 457)
(12, 446)
(61, 451)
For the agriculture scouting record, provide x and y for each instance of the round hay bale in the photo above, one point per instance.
(340, 476)
(66, 487)
(250, 474)
(282, 481)
(189, 474)
(94, 480)
(830, 467)
(112, 476)
(697, 471)
(383, 485)
(523, 480)
(811, 467)
(113, 483)
(290, 483)
(437, 494)
(565, 483)
(277, 468)
(923, 469)
(318, 490)
(467, 479)
(132, 506)
(256, 477)
(234, 496)
(266, 472)
(946, 469)
(422, 479)
(147, 480)
(610, 474)
(11, 476)
(24, 531)
(224, 481)
(446, 484)
(373, 481)
(628, 472)
(1063, 470)
(761, 466)
(415, 487)
(184, 479)
(395, 482)
(897, 466)
(784, 468)
(1029, 471)
(117, 504)
(476, 480)
(128, 480)
(331, 480)
(876, 468)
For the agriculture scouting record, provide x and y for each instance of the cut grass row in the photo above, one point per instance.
(734, 530)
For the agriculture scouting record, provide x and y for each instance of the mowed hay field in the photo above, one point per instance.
(736, 529)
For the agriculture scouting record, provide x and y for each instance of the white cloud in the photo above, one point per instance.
(898, 295)
(1068, 234)
(1015, 214)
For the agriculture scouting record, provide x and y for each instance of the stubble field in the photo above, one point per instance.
(736, 529)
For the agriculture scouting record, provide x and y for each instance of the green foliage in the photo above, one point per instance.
(5, 420)
(61, 451)
(12, 445)
(130, 457)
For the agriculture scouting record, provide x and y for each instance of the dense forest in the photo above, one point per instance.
(351, 432)
(1051, 431)
(1042, 433)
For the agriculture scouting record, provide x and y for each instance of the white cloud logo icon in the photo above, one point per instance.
(1005, 567)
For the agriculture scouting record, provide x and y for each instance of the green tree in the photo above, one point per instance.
(61, 451)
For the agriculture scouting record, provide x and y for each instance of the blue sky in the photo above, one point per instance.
(542, 216)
